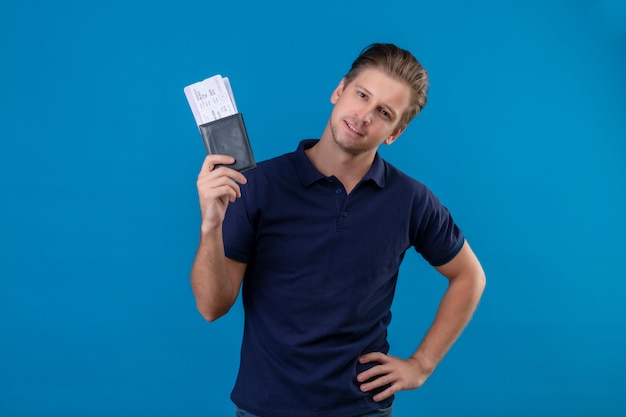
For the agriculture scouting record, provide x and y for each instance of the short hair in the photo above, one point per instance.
(399, 64)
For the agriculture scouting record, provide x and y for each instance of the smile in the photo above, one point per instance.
(352, 128)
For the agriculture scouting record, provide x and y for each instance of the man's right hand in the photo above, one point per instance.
(216, 188)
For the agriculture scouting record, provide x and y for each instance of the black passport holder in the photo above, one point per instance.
(228, 136)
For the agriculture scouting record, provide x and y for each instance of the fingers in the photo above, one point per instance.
(217, 189)
(381, 396)
(375, 370)
(220, 181)
(384, 377)
(211, 161)
(377, 376)
(217, 186)
(374, 357)
(391, 374)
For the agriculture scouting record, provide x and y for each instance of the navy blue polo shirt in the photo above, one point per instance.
(321, 274)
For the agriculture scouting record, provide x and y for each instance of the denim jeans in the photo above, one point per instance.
(384, 412)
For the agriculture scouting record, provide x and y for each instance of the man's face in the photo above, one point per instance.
(367, 111)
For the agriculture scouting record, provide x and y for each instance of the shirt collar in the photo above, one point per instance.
(308, 174)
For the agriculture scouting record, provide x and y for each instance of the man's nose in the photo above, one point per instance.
(365, 114)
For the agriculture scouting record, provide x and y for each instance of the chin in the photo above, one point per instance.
(346, 143)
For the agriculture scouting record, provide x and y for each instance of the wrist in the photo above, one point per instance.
(424, 361)
(210, 230)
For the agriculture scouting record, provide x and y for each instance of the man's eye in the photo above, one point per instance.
(384, 113)
(361, 94)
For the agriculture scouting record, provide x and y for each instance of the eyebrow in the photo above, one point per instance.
(369, 93)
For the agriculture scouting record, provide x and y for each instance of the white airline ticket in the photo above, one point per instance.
(211, 99)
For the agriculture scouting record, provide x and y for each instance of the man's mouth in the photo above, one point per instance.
(353, 128)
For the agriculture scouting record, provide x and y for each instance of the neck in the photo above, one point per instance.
(329, 159)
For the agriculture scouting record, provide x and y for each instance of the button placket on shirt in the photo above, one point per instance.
(341, 201)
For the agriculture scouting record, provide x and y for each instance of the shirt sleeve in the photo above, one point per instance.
(438, 238)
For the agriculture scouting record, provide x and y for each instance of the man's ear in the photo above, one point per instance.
(335, 95)
(392, 138)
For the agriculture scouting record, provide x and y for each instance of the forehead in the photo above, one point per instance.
(384, 88)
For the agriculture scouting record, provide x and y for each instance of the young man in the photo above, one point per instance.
(317, 237)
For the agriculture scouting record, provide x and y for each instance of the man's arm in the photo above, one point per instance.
(215, 279)
(466, 285)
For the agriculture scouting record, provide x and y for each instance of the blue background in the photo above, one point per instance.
(523, 139)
